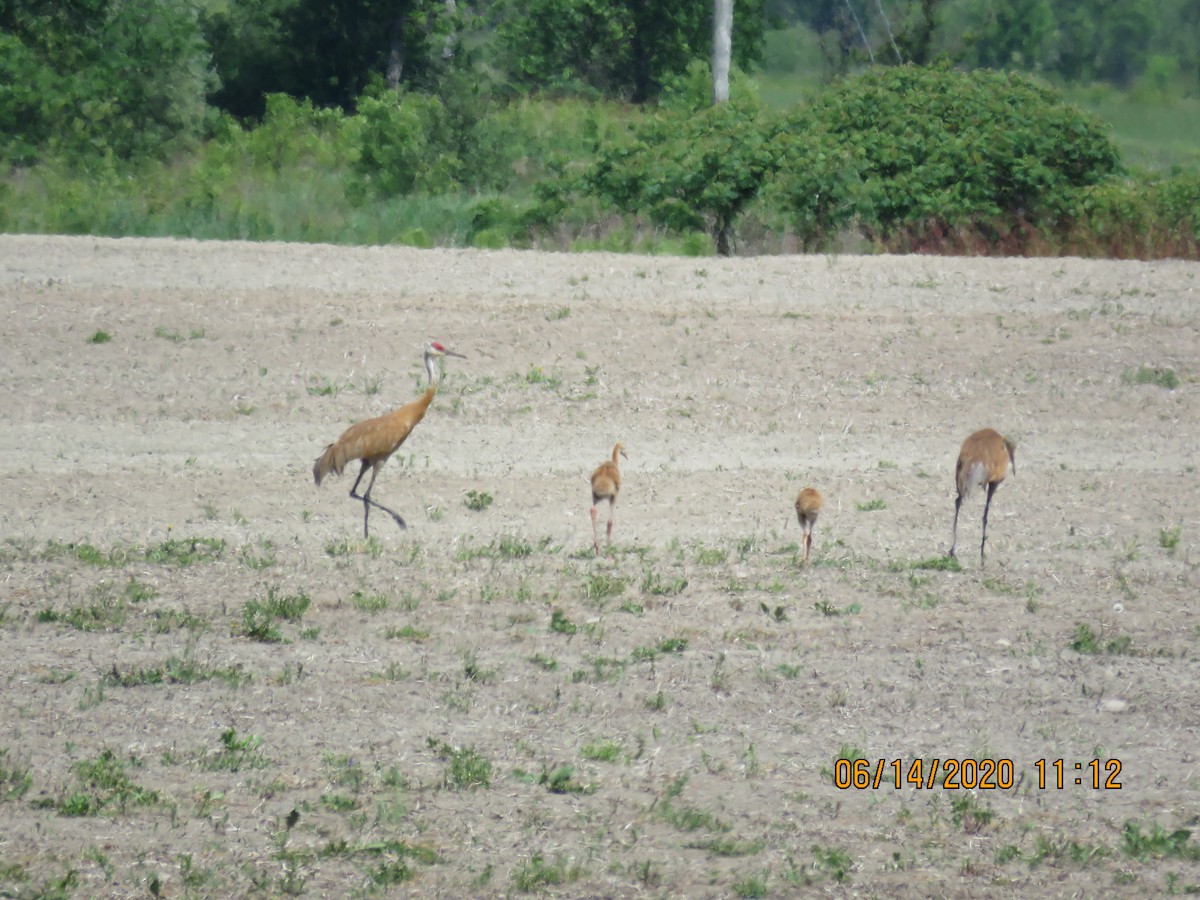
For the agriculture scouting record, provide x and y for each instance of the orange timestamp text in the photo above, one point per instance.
(972, 774)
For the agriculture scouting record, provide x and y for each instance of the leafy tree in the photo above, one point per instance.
(96, 77)
(621, 48)
(689, 169)
(906, 151)
(1101, 40)
(1011, 35)
(327, 51)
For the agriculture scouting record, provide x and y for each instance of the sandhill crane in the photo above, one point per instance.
(606, 482)
(808, 506)
(983, 459)
(374, 440)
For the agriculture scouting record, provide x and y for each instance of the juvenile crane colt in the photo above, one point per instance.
(606, 483)
(808, 506)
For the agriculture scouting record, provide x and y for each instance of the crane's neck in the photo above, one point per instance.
(431, 369)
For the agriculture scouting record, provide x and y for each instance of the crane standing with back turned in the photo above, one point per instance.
(983, 460)
(374, 440)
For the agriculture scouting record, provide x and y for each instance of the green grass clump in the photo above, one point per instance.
(538, 874)
(1163, 378)
(15, 779)
(103, 783)
(1158, 843)
(477, 501)
(466, 768)
(261, 615)
(1088, 642)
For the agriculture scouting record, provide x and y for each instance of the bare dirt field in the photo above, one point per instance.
(212, 686)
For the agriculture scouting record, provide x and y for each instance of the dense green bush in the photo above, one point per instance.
(903, 153)
(1147, 218)
(688, 169)
(403, 145)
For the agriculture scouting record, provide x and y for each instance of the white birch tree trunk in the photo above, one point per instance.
(722, 48)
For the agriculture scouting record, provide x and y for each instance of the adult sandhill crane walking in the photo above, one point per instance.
(606, 482)
(808, 506)
(983, 459)
(372, 441)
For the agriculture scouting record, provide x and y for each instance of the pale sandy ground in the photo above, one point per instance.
(732, 383)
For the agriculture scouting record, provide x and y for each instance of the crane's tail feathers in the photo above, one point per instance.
(971, 477)
(329, 461)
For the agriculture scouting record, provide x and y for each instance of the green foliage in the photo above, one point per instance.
(1158, 843)
(1086, 641)
(688, 169)
(320, 51)
(103, 782)
(1142, 217)
(261, 615)
(619, 49)
(466, 767)
(1161, 377)
(101, 79)
(402, 146)
(911, 157)
(15, 779)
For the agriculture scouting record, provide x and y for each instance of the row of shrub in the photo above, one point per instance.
(900, 159)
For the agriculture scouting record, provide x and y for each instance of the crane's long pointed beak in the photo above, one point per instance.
(452, 353)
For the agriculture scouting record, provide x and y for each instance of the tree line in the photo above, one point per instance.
(541, 122)
(143, 77)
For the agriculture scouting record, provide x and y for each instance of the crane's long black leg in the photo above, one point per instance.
(954, 533)
(987, 503)
(368, 502)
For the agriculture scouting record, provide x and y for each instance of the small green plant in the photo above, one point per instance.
(477, 501)
(345, 771)
(938, 564)
(1088, 642)
(836, 862)
(103, 782)
(537, 376)
(686, 818)
(826, 608)
(601, 751)
(466, 768)
(15, 779)
(100, 337)
(537, 873)
(236, 753)
(657, 702)
(369, 603)
(871, 505)
(562, 781)
(561, 624)
(601, 585)
(1163, 378)
(260, 615)
(185, 551)
(666, 645)
(1168, 538)
(653, 584)
(969, 814)
(406, 633)
(750, 887)
(1158, 843)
